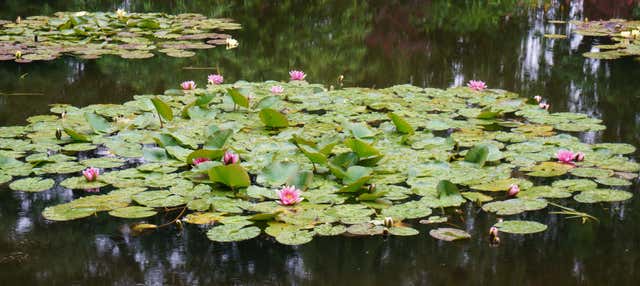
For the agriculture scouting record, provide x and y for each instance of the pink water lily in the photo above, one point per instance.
(276, 89)
(230, 158)
(91, 174)
(188, 85)
(538, 98)
(544, 106)
(289, 195)
(215, 79)
(565, 156)
(579, 157)
(477, 85)
(514, 189)
(297, 75)
(198, 161)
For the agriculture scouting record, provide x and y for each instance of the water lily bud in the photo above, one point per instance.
(493, 231)
(388, 221)
(18, 20)
(230, 158)
(18, 54)
(63, 115)
(91, 174)
(58, 134)
(494, 239)
(537, 98)
(372, 188)
(514, 189)
(579, 157)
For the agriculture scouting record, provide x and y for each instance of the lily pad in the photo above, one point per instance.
(229, 233)
(602, 195)
(133, 212)
(449, 234)
(33, 184)
(520, 226)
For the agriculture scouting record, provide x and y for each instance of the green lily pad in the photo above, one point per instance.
(591, 172)
(33, 184)
(230, 233)
(602, 195)
(514, 206)
(133, 212)
(520, 226)
(449, 234)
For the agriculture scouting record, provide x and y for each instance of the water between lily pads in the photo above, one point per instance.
(372, 45)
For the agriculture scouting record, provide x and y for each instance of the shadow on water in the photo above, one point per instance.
(427, 43)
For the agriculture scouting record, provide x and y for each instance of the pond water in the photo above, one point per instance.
(426, 43)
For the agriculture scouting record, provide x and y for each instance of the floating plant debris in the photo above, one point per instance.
(128, 35)
(354, 161)
(625, 37)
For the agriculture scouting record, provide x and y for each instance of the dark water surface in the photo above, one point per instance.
(376, 44)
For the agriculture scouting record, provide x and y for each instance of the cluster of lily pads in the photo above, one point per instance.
(128, 35)
(295, 160)
(624, 34)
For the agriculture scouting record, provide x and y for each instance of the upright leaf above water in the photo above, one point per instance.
(238, 98)
(273, 119)
(164, 111)
(233, 176)
(401, 124)
(478, 155)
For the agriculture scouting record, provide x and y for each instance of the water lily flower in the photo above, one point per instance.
(230, 158)
(579, 157)
(276, 89)
(232, 43)
(538, 98)
(121, 13)
(289, 195)
(198, 161)
(565, 156)
(215, 79)
(297, 75)
(188, 85)
(635, 33)
(514, 189)
(477, 85)
(625, 34)
(91, 174)
(18, 54)
(544, 106)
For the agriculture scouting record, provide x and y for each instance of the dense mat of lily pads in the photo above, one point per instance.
(624, 34)
(128, 35)
(366, 161)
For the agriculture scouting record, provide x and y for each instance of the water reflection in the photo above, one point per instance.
(428, 43)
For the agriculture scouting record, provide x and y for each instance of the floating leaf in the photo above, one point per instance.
(233, 175)
(449, 234)
(133, 212)
(520, 226)
(33, 184)
(477, 154)
(514, 206)
(602, 195)
(229, 233)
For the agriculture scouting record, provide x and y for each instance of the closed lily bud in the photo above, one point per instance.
(58, 134)
(513, 190)
(579, 157)
(18, 54)
(230, 158)
(537, 98)
(388, 221)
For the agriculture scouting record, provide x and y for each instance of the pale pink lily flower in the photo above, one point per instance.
(198, 161)
(276, 89)
(493, 231)
(297, 75)
(565, 156)
(91, 174)
(230, 158)
(215, 79)
(514, 189)
(188, 85)
(477, 85)
(538, 98)
(579, 157)
(289, 195)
